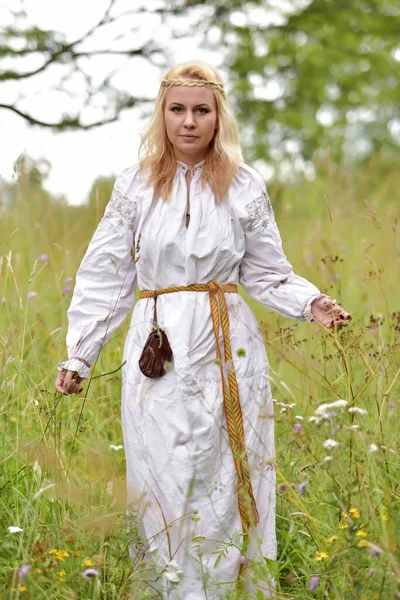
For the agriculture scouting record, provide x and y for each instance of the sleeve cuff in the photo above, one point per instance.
(306, 312)
(74, 364)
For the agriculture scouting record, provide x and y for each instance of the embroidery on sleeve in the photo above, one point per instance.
(122, 209)
(258, 212)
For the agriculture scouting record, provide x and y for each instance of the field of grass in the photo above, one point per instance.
(62, 487)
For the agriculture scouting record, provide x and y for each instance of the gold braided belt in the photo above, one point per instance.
(233, 411)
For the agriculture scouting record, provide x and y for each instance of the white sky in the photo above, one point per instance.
(77, 158)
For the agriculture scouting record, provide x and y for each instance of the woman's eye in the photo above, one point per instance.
(178, 109)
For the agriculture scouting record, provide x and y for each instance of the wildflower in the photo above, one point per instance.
(322, 408)
(171, 577)
(59, 554)
(359, 411)
(297, 428)
(43, 257)
(313, 583)
(375, 551)
(325, 411)
(69, 280)
(362, 544)
(354, 513)
(329, 444)
(343, 526)
(23, 572)
(372, 572)
(328, 458)
(60, 575)
(361, 533)
(89, 573)
(116, 448)
(332, 539)
(14, 529)
(373, 448)
(32, 295)
(66, 290)
(281, 488)
(77, 553)
(302, 486)
(23, 588)
(182, 440)
(321, 555)
(299, 417)
(88, 563)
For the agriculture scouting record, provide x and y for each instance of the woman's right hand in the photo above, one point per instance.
(68, 382)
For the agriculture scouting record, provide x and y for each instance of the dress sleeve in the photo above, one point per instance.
(105, 282)
(265, 273)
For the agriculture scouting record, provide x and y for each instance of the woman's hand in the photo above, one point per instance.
(329, 313)
(68, 382)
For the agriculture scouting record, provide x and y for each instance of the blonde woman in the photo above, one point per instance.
(187, 225)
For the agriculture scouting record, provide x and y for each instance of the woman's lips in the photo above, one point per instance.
(189, 137)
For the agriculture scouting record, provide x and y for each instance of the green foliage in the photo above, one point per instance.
(336, 56)
(62, 483)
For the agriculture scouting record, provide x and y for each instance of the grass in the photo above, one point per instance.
(62, 482)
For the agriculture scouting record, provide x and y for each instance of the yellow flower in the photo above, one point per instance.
(23, 588)
(61, 573)
(361, 533)
(343, 526)
(354, 513)
(333, 538)
(53, 551)
(88, 563)
(321, 555)
(362, 544)
(77, 553)
(38, 570)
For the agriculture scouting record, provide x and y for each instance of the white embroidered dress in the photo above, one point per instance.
(177, 449)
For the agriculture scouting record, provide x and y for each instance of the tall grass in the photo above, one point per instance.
(62, 475)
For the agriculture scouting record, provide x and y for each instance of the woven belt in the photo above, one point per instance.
(233, 411)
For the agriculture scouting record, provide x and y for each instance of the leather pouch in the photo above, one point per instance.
(156, 351)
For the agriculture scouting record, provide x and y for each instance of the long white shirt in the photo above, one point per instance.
(177, 449)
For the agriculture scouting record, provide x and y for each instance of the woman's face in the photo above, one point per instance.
(190, 116)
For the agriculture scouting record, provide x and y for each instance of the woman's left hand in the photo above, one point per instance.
(329, 313)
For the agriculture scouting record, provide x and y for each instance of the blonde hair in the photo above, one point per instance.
(224, 156)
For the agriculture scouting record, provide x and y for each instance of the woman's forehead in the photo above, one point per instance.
(190, 96)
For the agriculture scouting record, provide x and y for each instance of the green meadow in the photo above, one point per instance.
(62, 479)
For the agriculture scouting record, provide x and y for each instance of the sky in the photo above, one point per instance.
(77, 158)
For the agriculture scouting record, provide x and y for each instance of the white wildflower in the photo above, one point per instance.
(313, 420)
(329, 444)
(331, 405)
(116, 448)
(373, 448)
(14, 529)
(171, 576)
(299, 417)
(328, 458)
(359, 411)
(353, 427)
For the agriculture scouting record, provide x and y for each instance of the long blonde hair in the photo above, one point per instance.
(222, 161)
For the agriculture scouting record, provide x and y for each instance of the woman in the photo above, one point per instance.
(198, 439)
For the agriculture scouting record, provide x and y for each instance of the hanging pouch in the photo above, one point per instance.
(156, 352)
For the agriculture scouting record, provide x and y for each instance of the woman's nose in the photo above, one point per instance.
(189, 119)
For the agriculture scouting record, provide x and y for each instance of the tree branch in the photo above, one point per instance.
(74, 122)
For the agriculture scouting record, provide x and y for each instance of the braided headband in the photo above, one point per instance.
(192, 83)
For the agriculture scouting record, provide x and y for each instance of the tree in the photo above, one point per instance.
(69, 62)
(319, 74)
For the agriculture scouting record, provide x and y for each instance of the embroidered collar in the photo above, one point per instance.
(193, 169)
